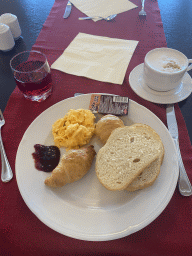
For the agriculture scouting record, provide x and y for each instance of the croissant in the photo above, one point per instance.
(72, 167)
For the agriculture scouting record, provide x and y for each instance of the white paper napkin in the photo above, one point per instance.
(102, 8)
(100, 58)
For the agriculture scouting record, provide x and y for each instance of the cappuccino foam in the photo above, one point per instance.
(168, 62)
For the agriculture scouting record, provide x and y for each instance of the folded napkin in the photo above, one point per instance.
(99, 58)
(102, 8)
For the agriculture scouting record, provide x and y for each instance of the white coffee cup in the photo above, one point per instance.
(11, 21)
(164, 68)
(6, 38)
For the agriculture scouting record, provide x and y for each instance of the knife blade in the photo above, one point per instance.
(172, 122)
(67, 10)
(183, 181)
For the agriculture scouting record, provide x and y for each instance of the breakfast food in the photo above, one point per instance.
(109, 104)
(166, 60)
(75, 129)
(126, 154)
(106, 125)
(150, 174)
(46, 158)
(72, 167)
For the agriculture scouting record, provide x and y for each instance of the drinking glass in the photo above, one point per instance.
(32, 75)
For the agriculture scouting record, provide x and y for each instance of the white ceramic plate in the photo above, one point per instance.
(85, 209)
(176, 95)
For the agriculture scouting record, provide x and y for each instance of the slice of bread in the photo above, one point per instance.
(128, 151)
(149, 175)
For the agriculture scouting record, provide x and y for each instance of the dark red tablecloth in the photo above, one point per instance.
(21, 232)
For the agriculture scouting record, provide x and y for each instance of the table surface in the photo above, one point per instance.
(21, 230)
(176, 16)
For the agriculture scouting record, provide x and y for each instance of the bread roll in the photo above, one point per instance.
(106, 125)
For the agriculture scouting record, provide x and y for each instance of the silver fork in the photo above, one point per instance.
(142, 12)
(6, 172)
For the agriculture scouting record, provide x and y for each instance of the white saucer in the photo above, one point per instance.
(176, 95)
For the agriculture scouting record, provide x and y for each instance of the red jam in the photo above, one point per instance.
(46, 157)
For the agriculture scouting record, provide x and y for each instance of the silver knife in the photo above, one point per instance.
(183, 182)
(67, 10)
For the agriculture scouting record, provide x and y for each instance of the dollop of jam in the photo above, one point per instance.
(46, 157)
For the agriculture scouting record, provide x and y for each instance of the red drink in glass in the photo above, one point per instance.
(32, 75)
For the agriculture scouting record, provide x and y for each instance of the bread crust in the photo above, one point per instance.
(148, 176)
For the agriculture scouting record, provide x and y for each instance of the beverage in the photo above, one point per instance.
(166, 61)
(164, 69)
(32, 84)
(32, 75)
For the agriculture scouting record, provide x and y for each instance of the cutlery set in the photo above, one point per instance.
(69, 8)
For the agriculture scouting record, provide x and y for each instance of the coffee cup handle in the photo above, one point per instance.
(190, 66)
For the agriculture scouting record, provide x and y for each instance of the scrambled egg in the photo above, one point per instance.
(75, 129)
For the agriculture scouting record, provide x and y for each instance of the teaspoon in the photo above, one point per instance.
(89, 18)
